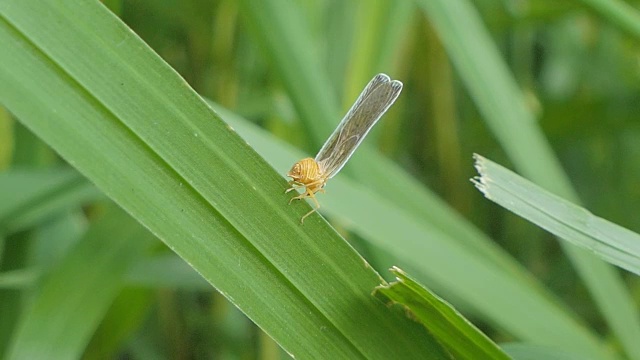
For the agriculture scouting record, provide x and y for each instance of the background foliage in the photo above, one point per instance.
(549, 89)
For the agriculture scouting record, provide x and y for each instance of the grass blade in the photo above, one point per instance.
(135, 129)
(461, 338)
(560, 217)
(89, 278)
(523, 351)
(619, 13)
(32, 196)
(378, 31)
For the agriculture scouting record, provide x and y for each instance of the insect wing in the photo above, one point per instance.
(372, 103)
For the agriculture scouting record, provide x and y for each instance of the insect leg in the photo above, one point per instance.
(310, 188)
(313, 197)
(294, 186)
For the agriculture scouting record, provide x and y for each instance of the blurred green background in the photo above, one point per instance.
(576, 62)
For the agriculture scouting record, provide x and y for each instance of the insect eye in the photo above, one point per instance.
(295, 170)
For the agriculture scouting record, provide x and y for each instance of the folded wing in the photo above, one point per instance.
(372, 103)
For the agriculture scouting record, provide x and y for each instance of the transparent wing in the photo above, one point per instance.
(374, 101)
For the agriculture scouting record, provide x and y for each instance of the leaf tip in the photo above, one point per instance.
(481, 181)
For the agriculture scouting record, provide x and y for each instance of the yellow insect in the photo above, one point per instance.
(312, 174)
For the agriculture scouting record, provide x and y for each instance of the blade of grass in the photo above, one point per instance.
(166, 271)
(498, 98)
(88, 279)
(619, 13)
(460, 336)
(6, 138)
(560, 217)
(133, 127)
(338, 25)
(293, 56)
(54, 238)
(126, 315)
(524, 351)
(379, 29)
(18, 279)
(29, 197)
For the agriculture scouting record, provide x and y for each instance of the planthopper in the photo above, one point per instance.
(312, 174)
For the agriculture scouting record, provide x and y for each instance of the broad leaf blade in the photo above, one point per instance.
(132, 126)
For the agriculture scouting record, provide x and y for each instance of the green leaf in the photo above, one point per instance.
(459, 336)
(524, 351)
(133, 127)
(74, 297)
(17, 279)
(127, 314)
(560, 217)
(6, 138)
(165, 271)
(379, 28)
(31, 196)
(619, 13)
